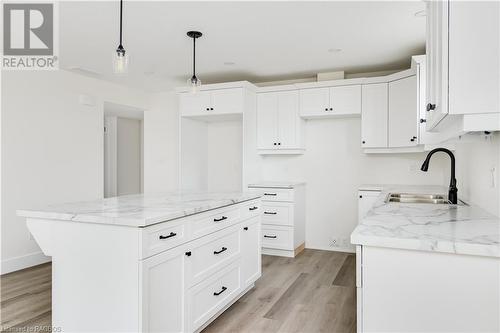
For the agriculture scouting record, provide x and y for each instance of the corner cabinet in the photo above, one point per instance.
(279, 127)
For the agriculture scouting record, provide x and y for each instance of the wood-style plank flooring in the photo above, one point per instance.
(314, 292)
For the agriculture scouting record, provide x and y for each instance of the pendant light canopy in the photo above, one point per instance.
(194, 83)
(120, 57)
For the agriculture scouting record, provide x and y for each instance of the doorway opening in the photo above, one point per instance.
(123, 150)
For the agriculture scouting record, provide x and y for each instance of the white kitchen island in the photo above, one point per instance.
(149, 263)
(427, 267)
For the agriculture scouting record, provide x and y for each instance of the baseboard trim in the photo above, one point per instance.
(21, 262)
(333, 249)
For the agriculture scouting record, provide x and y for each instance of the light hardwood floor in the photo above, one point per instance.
(314, 292)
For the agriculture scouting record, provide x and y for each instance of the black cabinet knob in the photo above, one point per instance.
(363, 142)
(208, 109)
(412, 139)
(326, 109)
(211, 109)
(245, 228)
(361, 197)
(331, 109)
(430, 107)
(279, 143)
(188, 253)
(275, 143)
(423, 121)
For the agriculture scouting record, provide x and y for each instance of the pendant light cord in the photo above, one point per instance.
(194, 57)
(121, 19)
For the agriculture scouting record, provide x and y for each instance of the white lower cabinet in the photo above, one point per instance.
(187, 286)
(283, 218)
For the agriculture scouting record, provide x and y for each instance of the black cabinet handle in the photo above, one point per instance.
(245, 228)
(423, 120)
(221, 219)
(270, 213)
(172, 234)
(331, 109)
(188, 253)
(221, 250)
(220, 292)
(253, 208)
(430, 107)
(412, 139)
(271, 194)
(266, 236)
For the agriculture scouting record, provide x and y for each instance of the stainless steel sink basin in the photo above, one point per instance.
(438, 199)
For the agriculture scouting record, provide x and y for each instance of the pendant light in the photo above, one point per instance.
(194, 83)
(120, 57)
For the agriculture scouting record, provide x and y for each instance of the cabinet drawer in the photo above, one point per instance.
(161, 237)
(277, 237)
(277, 213)
(215, 220)
(210, 253)
(210, 296)
(251, 209)
(275, 194)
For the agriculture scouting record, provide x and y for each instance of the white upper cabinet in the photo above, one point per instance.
(345, 100)
(315, 101)
(374, 116)
(403, 112)
(330, 101)
(279, 127)
(212, 102)
(463, 62)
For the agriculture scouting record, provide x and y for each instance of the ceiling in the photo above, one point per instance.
(254, 41)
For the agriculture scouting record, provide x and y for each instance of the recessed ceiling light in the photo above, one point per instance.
(334, 50)
(421, 13)
(229, 63)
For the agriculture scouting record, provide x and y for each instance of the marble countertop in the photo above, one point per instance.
(276, 184)
(138, 210)
(459, 229)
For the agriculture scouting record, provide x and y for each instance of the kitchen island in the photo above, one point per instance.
(427, 267)
(148, 263)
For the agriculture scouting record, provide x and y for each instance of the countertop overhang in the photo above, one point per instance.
(139, 210)
(458, 229)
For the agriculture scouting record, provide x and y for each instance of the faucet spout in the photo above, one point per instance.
(452, 190)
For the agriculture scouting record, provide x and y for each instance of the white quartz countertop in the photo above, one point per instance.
(459, 229)
(138, 210)
(276, 184)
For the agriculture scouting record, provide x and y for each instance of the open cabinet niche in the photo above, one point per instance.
(218, 138)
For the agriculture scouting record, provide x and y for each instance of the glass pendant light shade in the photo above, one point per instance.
(120, 61)
(194, 84)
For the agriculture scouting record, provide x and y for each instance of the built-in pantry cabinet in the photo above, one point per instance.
(279, 127)
(463, 62)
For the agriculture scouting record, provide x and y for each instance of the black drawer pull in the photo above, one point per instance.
(271, 194)
(188, 253)
(245, 228)
(221, 219)
(220, 292)
(172, 234)
(270, 213)
(253, 208)
(222, 250)
(266, 236)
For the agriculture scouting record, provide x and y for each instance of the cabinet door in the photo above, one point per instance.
(226, 101)
(374, 116)
(437, 61)
(403, 112)
(288, 120)
(365, 202)
(251, 253)
(194, 104)
(345, 99)
(267, 120)
(314, 102)
(163, 296)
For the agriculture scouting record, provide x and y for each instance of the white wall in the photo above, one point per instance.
(161, 144)
(334, 166)
(52, 148)
(476, 160)
(128, 166)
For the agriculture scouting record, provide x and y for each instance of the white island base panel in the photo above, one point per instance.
(417, 291)
(113, 278)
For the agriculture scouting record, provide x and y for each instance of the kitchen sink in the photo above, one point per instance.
(418, 198)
